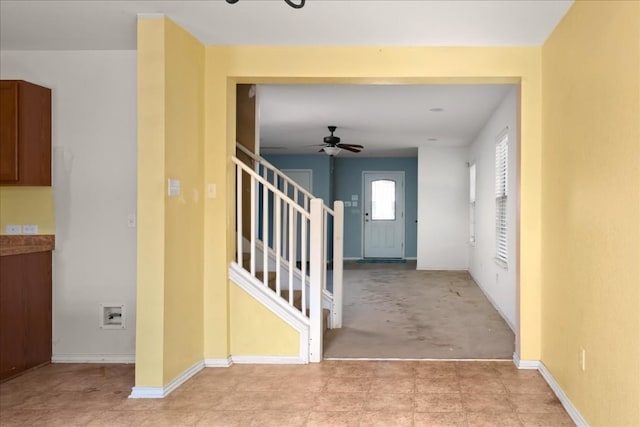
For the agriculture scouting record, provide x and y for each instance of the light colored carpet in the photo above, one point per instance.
(400, 313)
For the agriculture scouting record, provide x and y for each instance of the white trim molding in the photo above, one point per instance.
(525, 364)
(268, 360)
(564, 399)
(276, 305)
(162, 392)
(93, 358)
(217, 363)
(573, 412)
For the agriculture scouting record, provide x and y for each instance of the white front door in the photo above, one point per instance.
(383, 211)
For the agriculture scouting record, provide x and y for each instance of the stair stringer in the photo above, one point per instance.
(276, 305)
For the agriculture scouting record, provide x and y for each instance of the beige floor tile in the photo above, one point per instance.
(484, 419)
(386, 419)
(254, 383)
(536, 403)
(437, 385)
(244, 401)
(535, 384)
(389, 402)
(310, 383)
(225, 419)
(351, 369)
(343, 384)
(290, 401)
(392, 385)
(19, 417)
(556, 419)
(491, 403)
(279, 418)
(439, 419)
(393, 369)
(340, 402)
(481, 384)
(435, 369)
(164, 418)
(195, 401)
(438, 402)
(333, 419)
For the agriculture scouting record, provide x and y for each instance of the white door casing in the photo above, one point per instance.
(383, 214)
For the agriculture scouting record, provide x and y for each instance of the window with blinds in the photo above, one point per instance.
(472, 204)
(502, 151)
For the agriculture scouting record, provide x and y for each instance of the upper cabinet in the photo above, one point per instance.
(25, 134)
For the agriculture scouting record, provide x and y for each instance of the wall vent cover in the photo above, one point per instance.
(112, 316)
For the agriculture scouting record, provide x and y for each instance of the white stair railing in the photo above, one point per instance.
(285, 245)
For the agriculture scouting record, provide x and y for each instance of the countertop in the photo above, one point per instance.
(26, 244)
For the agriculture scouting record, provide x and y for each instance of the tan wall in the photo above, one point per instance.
(591, 209)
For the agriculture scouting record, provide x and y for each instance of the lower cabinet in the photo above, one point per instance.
(25, 312)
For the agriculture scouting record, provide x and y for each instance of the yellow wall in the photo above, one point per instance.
(256, 331)
(184, 139)
(591, 209)
(226, 66)
(27, 205)
(170, 244)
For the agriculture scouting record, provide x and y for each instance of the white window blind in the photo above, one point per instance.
(502, 155)
(472, 203)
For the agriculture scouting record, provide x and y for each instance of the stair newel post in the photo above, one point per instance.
(338, 258)
(315, 289)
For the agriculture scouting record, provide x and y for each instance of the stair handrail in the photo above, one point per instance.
(264, 162)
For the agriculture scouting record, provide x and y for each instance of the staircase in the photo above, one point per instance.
(289, 249)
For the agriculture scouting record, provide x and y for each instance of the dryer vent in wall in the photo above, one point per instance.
(112, 316)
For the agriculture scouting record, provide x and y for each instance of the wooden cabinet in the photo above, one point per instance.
(25, 134)
(25, 312)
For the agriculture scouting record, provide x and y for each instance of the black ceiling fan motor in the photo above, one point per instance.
(331, 140)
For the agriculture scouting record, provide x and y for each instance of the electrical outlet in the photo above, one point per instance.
(583, 359)
(13, 229)
(30, 228)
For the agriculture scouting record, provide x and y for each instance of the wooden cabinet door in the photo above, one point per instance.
(8, 131)
(25, 312)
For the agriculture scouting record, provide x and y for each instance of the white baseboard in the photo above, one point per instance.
(525, 364)
(93, 358)
(495, 305)
(562, 397)
(268, 360)
(568, 406)
(162, 392)
(217, 363)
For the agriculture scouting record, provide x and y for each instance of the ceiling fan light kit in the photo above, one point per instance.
(333, 146)
(291, 3)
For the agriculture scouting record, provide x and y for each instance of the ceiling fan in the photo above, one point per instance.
(332, 145)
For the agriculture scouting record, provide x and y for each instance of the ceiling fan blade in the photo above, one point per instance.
(348, 148)
(321, 150)
(351, 145)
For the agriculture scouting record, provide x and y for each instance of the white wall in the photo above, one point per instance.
(443, 189)
(498, 283)
(94, 183)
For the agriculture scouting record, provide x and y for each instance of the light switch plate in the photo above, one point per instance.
(13, 229)
(131, 220)
(211, 191)
(354, 204)
(30, 229)
(174, 187)
(347, 204)
(354, 197)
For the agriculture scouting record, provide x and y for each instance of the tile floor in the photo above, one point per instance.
(332, 393)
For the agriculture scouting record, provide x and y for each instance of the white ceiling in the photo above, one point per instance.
(387, 120)
(111, 24)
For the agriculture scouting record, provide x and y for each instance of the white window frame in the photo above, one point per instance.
(502, 193)
(472, 204)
